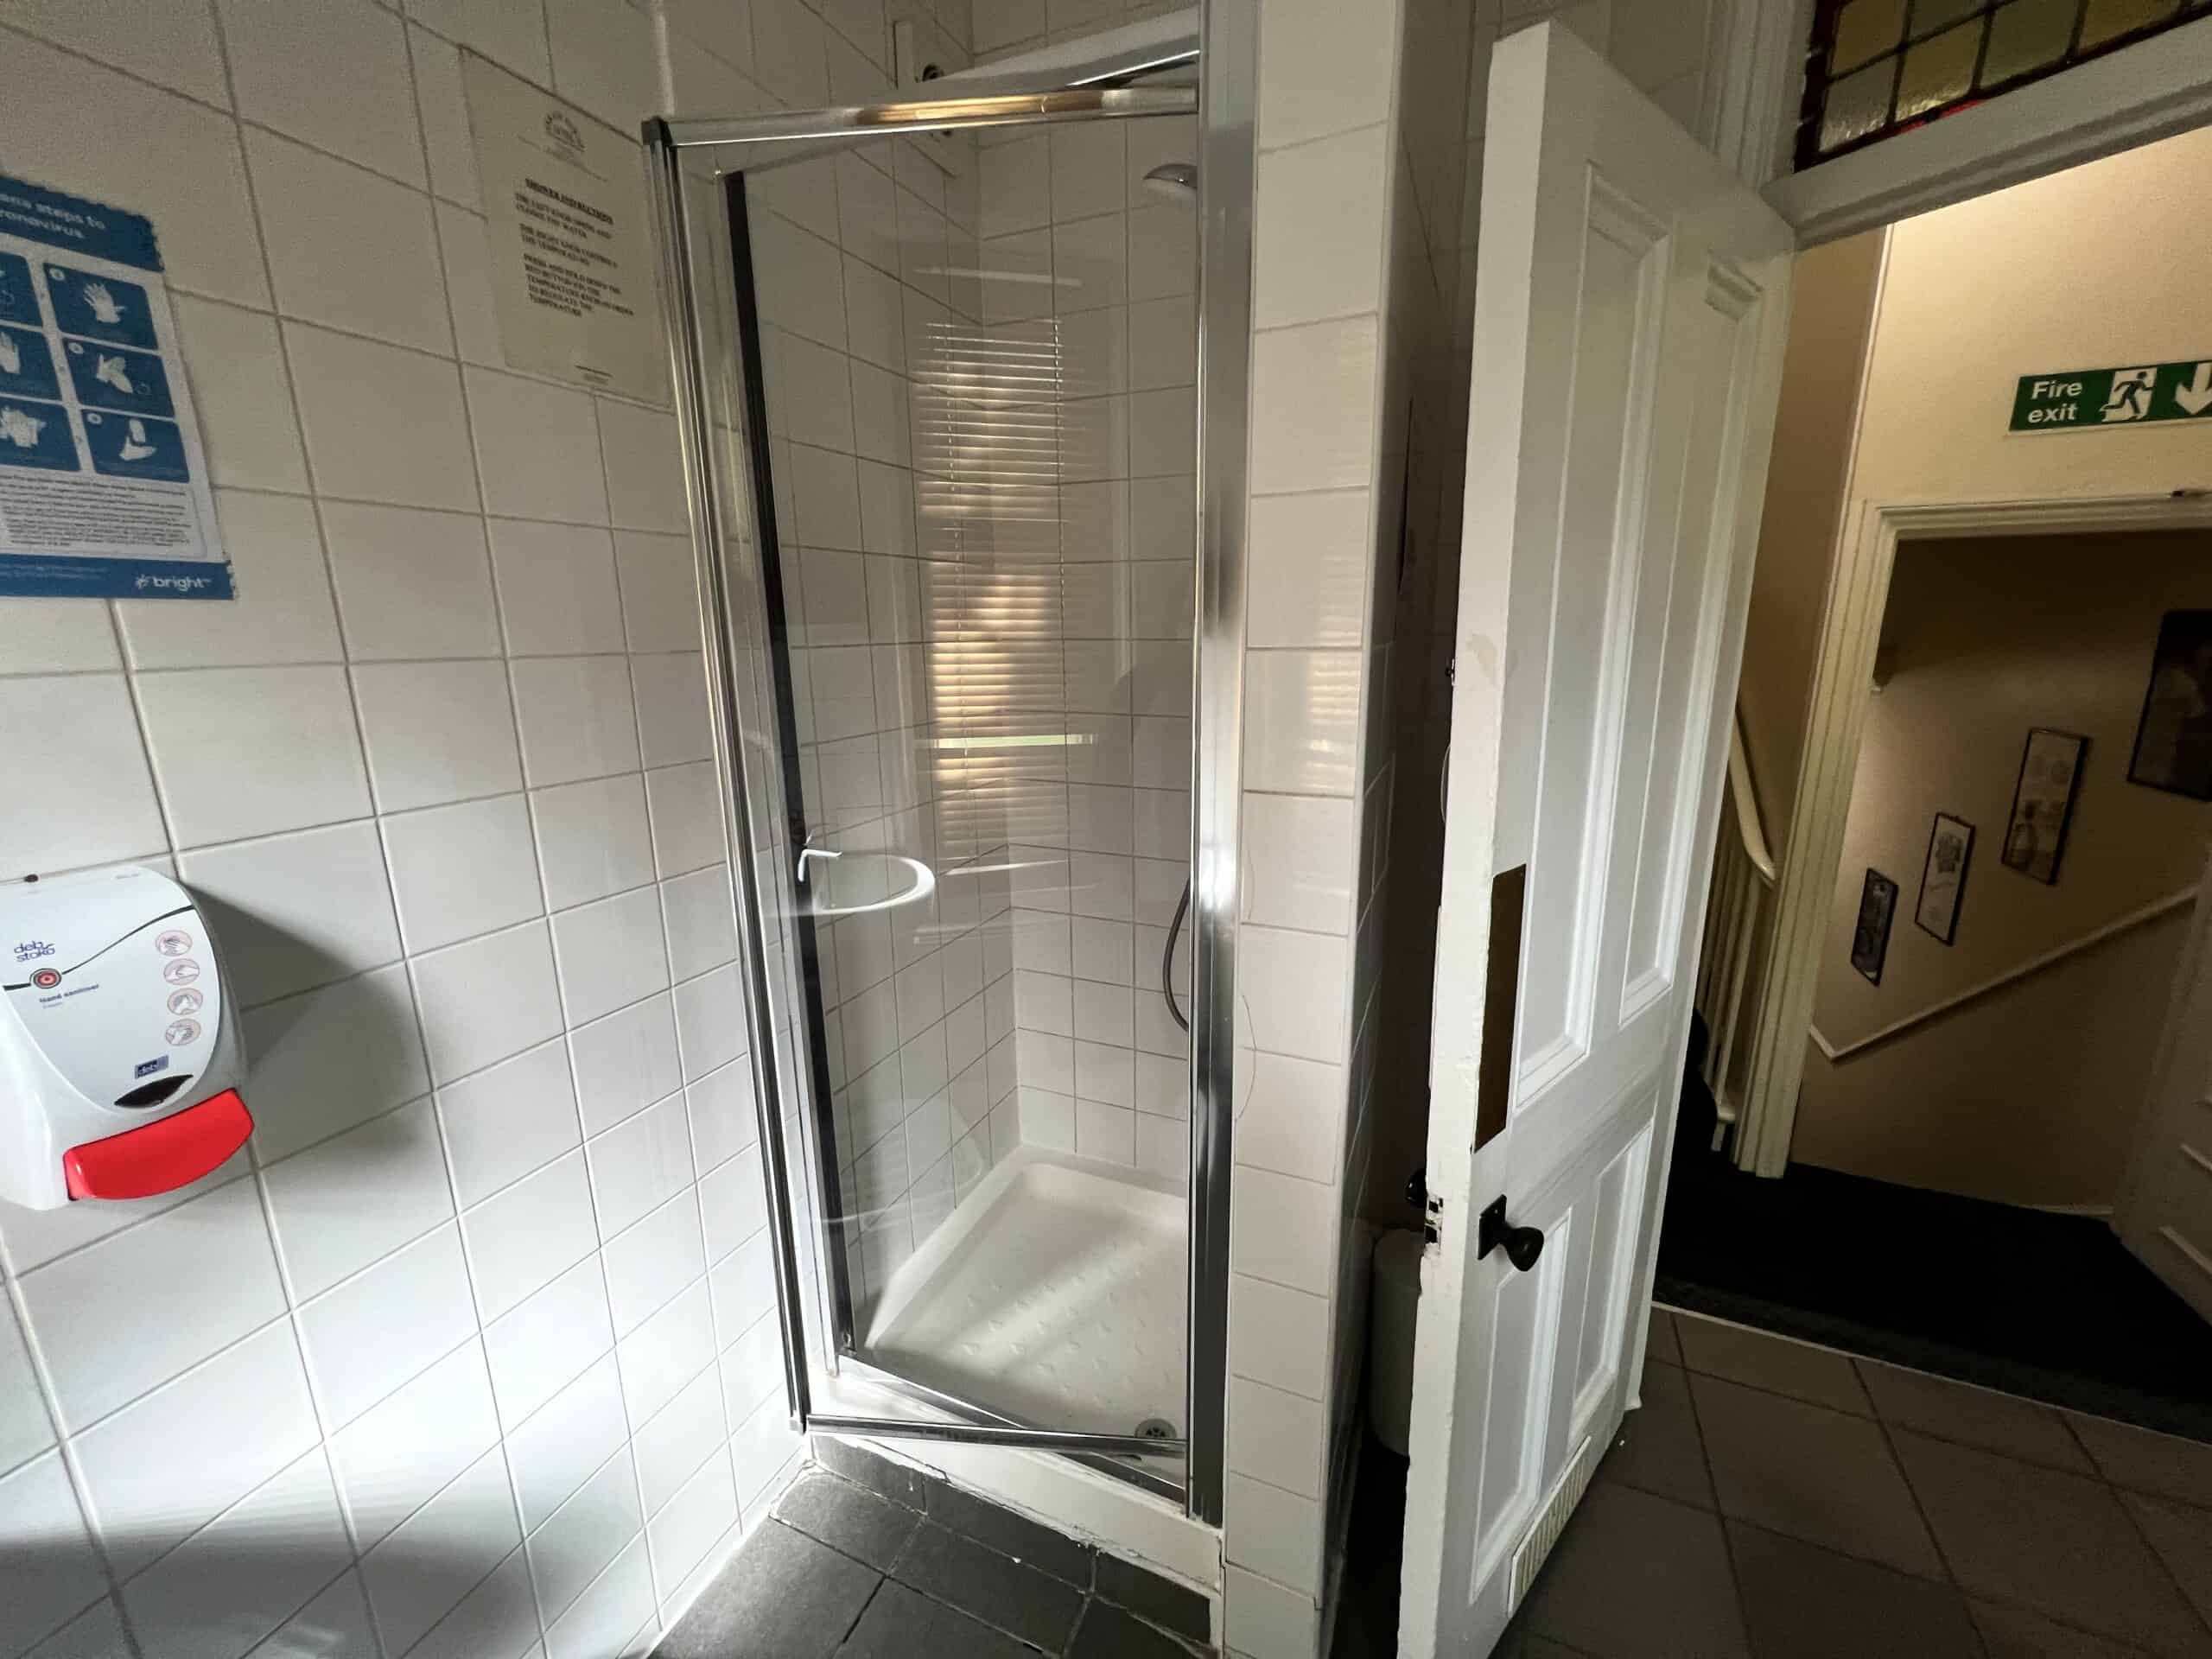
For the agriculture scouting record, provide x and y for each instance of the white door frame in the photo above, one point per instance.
(2143, 92)
(1843, 690)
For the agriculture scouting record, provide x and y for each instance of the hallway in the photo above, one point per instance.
(1774, 1499)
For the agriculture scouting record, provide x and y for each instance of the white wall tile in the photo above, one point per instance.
(242, 394)
(671, 700)
(557, 594)
(395, 1457)
(1290, 1117)
(486, 999)
(660, 592)
(698, 1515)
(47, 1569)
(56, 636)
(417, 1575)
(97, 1633)
(672, 1446)
(410, 583)
(154, 1475)
(496, 1620)
(329, 1058)
(297, 911)
(344, 1203)
(576, 718)
(574, 1434)
(1302, 860)
(387, 1325)
(1313, 407)
(527, 1235)
(334, 1625)
(701, 922)
(1325, 67)
(347, 248)
(221, 1581)
(593, 839)
(1301, 727)
(447, 141)
(251, 751)
(687, 821)
(460, 871)
(625, 1062)
(1272, 1532)
(640, 1164)
(621, 1598)
(509, 32)
(159, 154)
(603, 58)
(436, 732)
(645, 474)
(611, 952)
(332, 73)
(1261, 1619)
(25, 1428)
(667, 1351)
(538, 449)
(1278, 1336)
(1309, 569)
(1318, 229)
(547, 1343)
(282, 613)
(1293, 990)
(79, 736)
(653, 1260)
(508, 1120)
(174, 46)
(382, 424)
(135, 1309)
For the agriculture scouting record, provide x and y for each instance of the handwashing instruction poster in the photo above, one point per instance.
(103, 483)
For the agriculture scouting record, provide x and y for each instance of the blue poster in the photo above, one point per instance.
(104, 490)
(26, 366)
(108, 377)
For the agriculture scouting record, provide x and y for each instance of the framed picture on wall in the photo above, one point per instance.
(2043, 803)
(2173, 740)
(1870, 939)
(1943, 878)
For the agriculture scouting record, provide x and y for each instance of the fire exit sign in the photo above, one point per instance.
(2092, 399)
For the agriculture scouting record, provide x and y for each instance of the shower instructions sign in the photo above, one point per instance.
(2086, 400)
(102, 483)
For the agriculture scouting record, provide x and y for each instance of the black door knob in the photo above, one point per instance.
(1522, 1244)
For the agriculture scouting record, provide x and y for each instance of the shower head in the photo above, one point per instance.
(1175, 181)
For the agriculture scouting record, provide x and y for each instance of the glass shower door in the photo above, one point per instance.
(962, 369)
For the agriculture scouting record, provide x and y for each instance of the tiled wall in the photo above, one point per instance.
(471, 1353)
(1108, 346)
(1370, 183)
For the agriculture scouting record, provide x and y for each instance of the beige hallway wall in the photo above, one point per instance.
(2028, 1096)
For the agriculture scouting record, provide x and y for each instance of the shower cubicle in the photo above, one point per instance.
(961, 382)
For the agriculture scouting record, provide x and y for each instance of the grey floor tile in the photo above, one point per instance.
(902, 1624)
(1036, 1607)
(1152, 1597)
(1636, 1574)
(850, 1518)
(2042, 1539)
(2016, 1633)
(898, 1482)
(1657, 1449)
(1957, 1411)
(1109, 1633)
(783, 1595)
(1820, 1476)
(2181, 1534)
(1662, 1344)
(1775, 1364)
(1807, 1603)
(2146, 1461)
(1009, 1534)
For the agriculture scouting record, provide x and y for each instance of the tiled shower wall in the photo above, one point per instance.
(471, 1353)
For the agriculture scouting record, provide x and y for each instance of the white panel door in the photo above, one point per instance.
(1629, 319)
(2164, 1213)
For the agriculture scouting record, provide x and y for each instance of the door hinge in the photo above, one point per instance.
(1431, 1221)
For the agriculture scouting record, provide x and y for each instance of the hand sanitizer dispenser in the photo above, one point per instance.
(120, 1055)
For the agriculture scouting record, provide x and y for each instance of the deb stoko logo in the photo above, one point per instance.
(32, 950)
(173, 584)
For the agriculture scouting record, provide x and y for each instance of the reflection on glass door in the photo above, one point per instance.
(977, 360)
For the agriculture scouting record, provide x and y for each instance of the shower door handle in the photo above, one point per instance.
(805, 853)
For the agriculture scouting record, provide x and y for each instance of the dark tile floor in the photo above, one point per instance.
(868, 1559)
(1773, 1498)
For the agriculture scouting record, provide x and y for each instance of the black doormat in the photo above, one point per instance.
(2049, 1306)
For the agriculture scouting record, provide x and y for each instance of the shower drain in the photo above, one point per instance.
(1156, 1428)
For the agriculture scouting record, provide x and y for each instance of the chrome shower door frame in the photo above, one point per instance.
(719, 423)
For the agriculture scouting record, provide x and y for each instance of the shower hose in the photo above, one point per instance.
(1167, 959)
